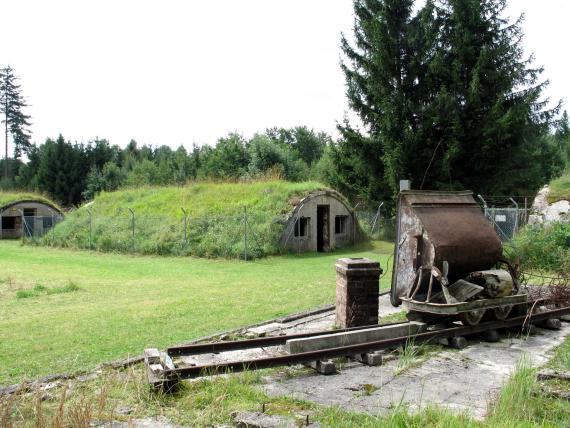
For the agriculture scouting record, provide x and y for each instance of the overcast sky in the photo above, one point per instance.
(183, 72)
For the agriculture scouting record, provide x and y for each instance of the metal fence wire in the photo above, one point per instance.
(507, 220)
(378, 223)
(244, 235)
(38, 226)
(507, 215)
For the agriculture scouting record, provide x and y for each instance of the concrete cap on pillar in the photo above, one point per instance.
(346, 264)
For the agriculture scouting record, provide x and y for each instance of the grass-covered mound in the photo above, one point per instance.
(11, 197)
(544, 247)
(560, 189)
(215, 219)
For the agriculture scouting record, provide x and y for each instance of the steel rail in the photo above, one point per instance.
(260, 342)
(237, 366)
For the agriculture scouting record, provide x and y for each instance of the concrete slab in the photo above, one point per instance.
(262, 330)
(463, 380)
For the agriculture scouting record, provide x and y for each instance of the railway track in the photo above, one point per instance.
(162, 372)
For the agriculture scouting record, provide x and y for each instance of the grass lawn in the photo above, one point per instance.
(64, 310)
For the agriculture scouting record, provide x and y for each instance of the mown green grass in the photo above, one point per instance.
(150, 220)
(9, 197)
(560, 189)
(124, 304)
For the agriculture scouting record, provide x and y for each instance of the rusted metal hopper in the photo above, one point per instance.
(433, 227)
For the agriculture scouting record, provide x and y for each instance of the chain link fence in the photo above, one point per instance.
(246, 235)
(38, 226)
(507, 214)
(377, 224)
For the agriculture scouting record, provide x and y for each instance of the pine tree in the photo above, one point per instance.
(382, 73)
(15, 121)
(446, 97)
(488, 103)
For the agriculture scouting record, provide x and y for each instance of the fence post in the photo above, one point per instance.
(90, 228)
(23, 226)
(53, 228)
(245, 232)
(185, 226)
(133, 226)
(516, 228)
(299, 233)
(376, 218)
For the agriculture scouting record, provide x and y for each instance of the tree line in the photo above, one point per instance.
(72, 172)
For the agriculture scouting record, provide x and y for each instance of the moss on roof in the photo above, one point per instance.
(11, 197)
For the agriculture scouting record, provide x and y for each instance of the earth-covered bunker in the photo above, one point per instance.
(322, 221)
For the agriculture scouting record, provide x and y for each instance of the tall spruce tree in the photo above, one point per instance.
(390, 53)
(446, 97)
(495, 141)
(14, 120)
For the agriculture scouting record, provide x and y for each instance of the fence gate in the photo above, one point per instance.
(37, 226)
(506, 220)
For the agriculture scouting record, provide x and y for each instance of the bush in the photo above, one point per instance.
(544, 247)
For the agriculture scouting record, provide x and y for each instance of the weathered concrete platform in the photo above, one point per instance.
(463, 381)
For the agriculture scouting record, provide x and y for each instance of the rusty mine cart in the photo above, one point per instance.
(448, 261)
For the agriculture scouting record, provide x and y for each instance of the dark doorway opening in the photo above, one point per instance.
(323, 228)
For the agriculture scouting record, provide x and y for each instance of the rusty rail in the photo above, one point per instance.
(261, 342)
(176, 374)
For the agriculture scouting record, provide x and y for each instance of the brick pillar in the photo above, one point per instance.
(357, 287)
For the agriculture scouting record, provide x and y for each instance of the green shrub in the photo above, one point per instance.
(544, 247)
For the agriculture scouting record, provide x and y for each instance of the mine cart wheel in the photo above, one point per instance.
(502, 312)
(472, 317)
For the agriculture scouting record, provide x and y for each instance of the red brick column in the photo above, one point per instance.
(357, 287)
